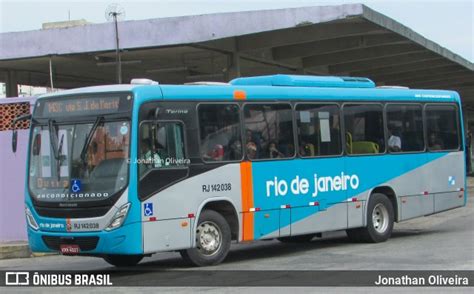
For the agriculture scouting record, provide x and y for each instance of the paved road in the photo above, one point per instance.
(440, 242)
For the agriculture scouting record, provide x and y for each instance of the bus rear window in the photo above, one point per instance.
(442, 127)
(405, 128)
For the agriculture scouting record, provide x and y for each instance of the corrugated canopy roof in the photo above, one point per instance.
(346, 40)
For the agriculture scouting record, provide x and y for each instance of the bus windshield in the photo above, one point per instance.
(80, 161)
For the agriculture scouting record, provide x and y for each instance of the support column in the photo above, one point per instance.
(233, 63)
(11, 84)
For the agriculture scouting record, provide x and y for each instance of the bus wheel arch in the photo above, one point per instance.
(212, 238)
(227, 210)
(380, 216)
(391, 195)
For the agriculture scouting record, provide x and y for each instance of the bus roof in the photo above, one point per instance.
(276, 87)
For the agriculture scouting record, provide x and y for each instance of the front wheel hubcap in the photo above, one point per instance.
(380, 218)
(208, 238)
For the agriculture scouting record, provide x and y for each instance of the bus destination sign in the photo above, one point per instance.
(81, 106)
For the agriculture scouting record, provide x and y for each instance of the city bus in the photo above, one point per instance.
(126, 171)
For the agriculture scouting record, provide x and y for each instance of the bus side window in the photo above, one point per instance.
(319, 132)
(268, 131)
(442, 127)
(220, 132)
(364, 124)
(405, 128)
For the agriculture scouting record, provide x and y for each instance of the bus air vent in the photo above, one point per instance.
(143, 82)
(85, 243)
(207, 84)
(305, 81)
(393, 87)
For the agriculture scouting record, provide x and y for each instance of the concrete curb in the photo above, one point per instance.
(40, 254)
(19, 250)
(14, 250)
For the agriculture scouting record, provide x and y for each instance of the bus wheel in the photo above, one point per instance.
(380, 217)
(213, 239)
(123, 260)
(297, 239)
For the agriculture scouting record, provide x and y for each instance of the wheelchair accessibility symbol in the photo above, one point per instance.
(76, 186)
(148, 209)
(452, 181)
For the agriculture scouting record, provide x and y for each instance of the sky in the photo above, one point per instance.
(448, 23)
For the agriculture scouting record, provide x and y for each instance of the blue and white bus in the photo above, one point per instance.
(125, 171)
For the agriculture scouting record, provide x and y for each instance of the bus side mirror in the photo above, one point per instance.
(15, 132)
(14, 140)
(36, 148)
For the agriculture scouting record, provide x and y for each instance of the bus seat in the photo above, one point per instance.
(364, 147)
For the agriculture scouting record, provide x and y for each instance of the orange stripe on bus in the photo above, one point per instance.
(240, 95)
(247, 200)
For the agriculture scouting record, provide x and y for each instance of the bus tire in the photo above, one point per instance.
(296, 239)
(380, 218)
(213, 238)
(123, 260)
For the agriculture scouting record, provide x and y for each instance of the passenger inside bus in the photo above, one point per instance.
(273, 151)
(394, 140)
(256, 140)
(215, 154)
(235, 151)
(306, 149)
(251, 150)
(151, 158)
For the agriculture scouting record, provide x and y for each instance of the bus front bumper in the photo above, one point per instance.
(124, 240)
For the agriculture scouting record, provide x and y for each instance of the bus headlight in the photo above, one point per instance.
(118, 218)
(31, 220)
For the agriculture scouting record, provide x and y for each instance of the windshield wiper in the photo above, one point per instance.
(59, 161)
(85, 148)
(53, 138)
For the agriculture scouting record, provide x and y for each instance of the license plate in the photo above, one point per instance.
(69, 249)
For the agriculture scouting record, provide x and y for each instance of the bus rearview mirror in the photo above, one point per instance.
(14, 140)
(15, 132)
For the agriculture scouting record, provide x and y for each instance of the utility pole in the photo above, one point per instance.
(118, 59)
(115, 13)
